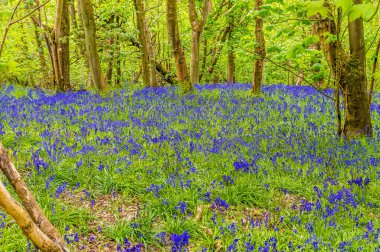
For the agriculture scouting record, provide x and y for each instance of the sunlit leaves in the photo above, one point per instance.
(310, 40)
(346, 5)
(316, 7)
(355, 11)
(368, 11)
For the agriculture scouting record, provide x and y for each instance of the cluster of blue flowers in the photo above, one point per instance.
(257, 173)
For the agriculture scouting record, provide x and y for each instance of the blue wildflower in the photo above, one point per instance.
(180, 241)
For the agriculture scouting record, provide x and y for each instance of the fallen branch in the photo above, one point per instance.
(33, 211)
(22, 218)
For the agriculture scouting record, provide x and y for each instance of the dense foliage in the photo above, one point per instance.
(217, 169)
(287, 25)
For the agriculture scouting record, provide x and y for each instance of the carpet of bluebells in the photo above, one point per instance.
(217, 170)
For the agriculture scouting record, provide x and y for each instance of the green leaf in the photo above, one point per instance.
(365, 11)
(316, 7)
(12, 66)
(355, 13)
(330, 37)
(310, 40)
(346, 5)
(269, 27)
(368, 11)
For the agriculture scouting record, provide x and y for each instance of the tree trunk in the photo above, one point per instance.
(111, 53)
(374, 68)
(357, 118)
(231, 52)
(260, 52)
(72, 14)
(349, 72)
(231, 67)
(300, 78)
(147, 49)
(197, 26)
(176, 46)
(41, 56)
(152, 59)
(108, 77)
(60, 46)
(218, 49)
(194, 60)
(204, 58)
(140, 13)
(89, 27)
(231, 60)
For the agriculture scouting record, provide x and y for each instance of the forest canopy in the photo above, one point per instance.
(226, 41)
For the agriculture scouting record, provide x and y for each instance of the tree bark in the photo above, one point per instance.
(89, 27)
(197, 26)
(231, 67)
(374, 68)
(47, 30)
(217, 50)
(204, 58)
(72, 14)
(142, 38)
(348, 69)
(357, 118)
(33, 222)
(300, 78)
(60, 46)
(28, 227)
(41, 56)
(176, 46)
(147, 49)
(260, 51)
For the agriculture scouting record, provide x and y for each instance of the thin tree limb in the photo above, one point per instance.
(8, 26)
(30, 13)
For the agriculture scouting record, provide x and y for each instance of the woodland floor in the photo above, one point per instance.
(217, 170)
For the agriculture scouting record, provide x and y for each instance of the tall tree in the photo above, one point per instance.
(197, 26)
(60, 46)
(176, 46)
(231, 54)
(147, 48)
(357, 117)
(87, 15)
(348, 69)
(260, 52)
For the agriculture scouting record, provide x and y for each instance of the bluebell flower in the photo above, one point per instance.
(181, 207)
(220, 204)
(180, 241)
(60, 189)
(161, 237)
(233, 247)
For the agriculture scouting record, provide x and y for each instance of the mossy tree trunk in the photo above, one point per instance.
(147, 49)
(197, 26)
(260, 52)
(87, 16)
(60, 46)
(357, 118)
(349, 71)
(176, 46)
